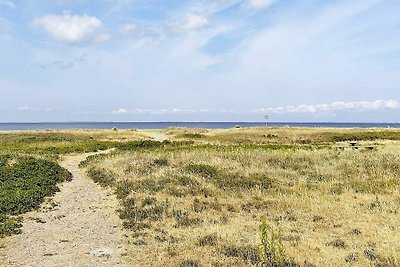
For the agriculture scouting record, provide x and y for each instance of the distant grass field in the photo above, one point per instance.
(51, 144)
(242, 197)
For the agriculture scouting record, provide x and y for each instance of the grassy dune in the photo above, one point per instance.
(29, 171)
(51, 144)
(201, 202)
(237, 197)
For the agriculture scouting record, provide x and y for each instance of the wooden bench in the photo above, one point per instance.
(353, 145)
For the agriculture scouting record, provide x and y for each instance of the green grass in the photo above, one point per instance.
(24, 182)
(52, 144)
(28, 171)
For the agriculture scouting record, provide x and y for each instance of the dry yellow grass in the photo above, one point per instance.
(71, 134)
(204, 202)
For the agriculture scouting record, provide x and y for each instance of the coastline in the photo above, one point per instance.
(164, 125)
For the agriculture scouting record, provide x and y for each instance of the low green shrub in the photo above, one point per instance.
(9, 226)
(101, 176)
(23, 186)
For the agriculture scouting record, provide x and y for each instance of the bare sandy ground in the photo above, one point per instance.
(79, 226)
(158, 136)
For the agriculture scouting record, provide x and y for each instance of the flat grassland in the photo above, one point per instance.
(238, 197)
(241, 197)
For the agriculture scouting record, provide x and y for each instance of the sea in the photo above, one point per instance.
(164, 125)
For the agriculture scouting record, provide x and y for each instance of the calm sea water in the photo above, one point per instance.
(163, 125)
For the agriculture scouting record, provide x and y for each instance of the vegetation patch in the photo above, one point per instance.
(23, 186)
(205, 196)
(101, 176)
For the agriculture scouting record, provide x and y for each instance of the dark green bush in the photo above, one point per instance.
(23, 186)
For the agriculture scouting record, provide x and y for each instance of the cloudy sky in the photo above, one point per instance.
(200, 60)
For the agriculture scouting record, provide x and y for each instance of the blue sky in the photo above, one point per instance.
(206, 60)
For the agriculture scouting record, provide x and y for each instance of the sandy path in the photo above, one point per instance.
(158, 136)
(77, 227)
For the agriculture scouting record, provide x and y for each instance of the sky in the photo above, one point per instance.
(204, 60)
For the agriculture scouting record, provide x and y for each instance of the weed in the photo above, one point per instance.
(203, 170)
(356, 232)
(189, 263)
(351, 258)
(164, 237)
(272, 251)
(131, 212)
(371, 254)
(337, 243)
(183, 219)
(199, 206)
(148, 201)
(207, 240)
(248, 254)
(9, 226)
(124, 189)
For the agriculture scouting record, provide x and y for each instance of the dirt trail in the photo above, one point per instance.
(77, 227)
(158, 136)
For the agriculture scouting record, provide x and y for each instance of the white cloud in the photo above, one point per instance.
(190, 22)
(357, 106)
(258, 4)
(120, 111)
(101, 38)
(35, 109)
(73, 29)
(127, 28)
(136, 111)
(123, 111)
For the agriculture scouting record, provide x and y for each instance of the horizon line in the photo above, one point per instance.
(269, 122)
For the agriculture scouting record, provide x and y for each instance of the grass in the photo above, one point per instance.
(51, 144)
(28, 168)
(285, 135)
(24, 182)
(200, 198)
(200, 202)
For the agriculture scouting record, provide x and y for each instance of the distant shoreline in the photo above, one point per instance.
(10, 126)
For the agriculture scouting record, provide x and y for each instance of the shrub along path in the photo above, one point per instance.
(77, 227)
